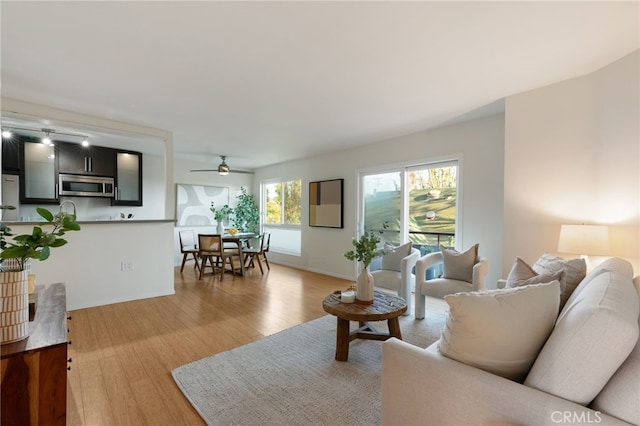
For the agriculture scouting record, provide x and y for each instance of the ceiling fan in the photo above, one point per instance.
(223, 169)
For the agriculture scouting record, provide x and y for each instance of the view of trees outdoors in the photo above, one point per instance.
(431, 205)
(283, 201)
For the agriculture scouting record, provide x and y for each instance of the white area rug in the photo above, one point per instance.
(291, 377)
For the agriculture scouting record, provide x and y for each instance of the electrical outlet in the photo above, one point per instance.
(126, 265)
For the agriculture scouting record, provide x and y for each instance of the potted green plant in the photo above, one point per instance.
(15, 265)
(247, 213)
(220, 214)
(366, 248)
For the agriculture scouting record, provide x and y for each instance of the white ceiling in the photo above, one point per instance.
(265, 82)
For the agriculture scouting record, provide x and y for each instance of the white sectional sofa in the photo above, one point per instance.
(586, 372)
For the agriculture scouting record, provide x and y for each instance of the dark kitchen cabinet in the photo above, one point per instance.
(86, 160)
(11, 155)
(128, 178)
(38, 172)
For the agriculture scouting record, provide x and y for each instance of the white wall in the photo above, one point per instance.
(90, 264)
(479, 144)
(572, 156)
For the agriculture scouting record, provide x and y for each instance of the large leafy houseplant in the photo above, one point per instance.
(247, 213)
(37, 244)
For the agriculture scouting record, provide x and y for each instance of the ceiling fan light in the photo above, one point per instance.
(223, 169)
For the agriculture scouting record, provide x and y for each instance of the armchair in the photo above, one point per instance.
(396, 272)
(440, 287)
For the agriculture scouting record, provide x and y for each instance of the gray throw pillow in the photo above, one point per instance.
(459, 266)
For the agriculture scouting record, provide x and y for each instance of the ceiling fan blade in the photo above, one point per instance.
(216, 170)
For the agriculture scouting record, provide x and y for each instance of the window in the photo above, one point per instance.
(417, 204)
(282, 207)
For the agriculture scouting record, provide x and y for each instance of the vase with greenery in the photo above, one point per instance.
(220, 215)
(247, 213)
(366, 248)
(15, 262)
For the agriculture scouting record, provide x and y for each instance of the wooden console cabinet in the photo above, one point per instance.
(34, 370)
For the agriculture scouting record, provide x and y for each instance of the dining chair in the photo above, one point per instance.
(188, 246)
(255, 253)
(210, 247)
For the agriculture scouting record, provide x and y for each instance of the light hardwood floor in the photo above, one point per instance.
(123, 353)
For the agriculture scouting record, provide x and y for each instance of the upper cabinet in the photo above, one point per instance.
(86, 160)
(128, 179)
(38, 173)
(10, 156)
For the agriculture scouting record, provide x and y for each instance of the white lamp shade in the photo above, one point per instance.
(585, 240)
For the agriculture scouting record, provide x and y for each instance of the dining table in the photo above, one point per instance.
(240, 239)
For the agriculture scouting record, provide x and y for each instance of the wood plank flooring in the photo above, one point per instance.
(123, 353)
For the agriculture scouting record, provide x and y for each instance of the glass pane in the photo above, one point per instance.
(382, 197)
(273, 203)
(39, 173)
(292, 202)
(432, 206)
(128, 174)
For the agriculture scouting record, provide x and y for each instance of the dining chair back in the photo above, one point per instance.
(188, 247)
(259, 253)
(210, 247)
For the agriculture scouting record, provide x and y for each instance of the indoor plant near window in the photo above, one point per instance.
(15, 266)
(220, 215)
(247, 213)
(366, 249)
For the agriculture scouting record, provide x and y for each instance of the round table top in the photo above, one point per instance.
(385, 305)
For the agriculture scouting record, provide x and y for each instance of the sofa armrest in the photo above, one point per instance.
(420, 386)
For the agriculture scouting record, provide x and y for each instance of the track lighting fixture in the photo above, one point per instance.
(7, 132)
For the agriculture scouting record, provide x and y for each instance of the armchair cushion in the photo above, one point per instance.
(459, 266)
(500, 331)
(393, 257)
(522, 274)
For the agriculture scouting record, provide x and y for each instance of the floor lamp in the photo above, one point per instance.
(585, 240)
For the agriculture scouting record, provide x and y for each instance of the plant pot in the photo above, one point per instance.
(14, 301)
(364, 288)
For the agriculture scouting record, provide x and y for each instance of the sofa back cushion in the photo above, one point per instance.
(621, 395)
(500, 331)
(592, 337)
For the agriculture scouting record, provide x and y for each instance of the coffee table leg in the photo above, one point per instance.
(394, 327)
(342, 340)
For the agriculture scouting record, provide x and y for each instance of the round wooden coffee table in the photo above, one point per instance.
(385, 306)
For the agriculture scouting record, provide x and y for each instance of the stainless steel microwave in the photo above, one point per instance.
(85, 186)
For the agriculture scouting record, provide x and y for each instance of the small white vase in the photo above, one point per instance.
(364, 287)
(220, 228)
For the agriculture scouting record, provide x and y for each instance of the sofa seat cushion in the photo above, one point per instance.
(592, 337)
(621, 395)
(500, 331)
(573, 272)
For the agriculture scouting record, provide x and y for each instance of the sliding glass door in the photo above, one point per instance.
(416, 203)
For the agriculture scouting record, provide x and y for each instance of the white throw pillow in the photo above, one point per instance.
(593, 336)
(500, 331)
(522, 274)
(573, 271)
(392, 260)
(459, 266)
